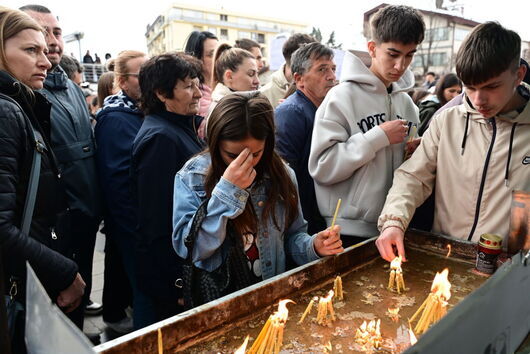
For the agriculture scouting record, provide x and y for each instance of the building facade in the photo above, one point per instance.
(170, 30)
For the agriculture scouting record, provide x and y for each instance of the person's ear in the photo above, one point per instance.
(228, 75)
(521, 73)
(371, 48)
(161, 97)
(298, 80)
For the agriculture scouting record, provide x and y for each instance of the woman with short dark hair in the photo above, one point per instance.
(170, 97)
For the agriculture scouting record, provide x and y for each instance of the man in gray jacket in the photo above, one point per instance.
(72, 142)
(362, 125)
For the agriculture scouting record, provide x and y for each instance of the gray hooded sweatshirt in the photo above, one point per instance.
(351, 157)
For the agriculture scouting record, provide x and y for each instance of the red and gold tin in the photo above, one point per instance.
(489, 248)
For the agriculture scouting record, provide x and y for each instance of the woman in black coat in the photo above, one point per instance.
(23, 66)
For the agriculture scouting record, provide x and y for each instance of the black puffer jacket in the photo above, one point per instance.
(55, 271)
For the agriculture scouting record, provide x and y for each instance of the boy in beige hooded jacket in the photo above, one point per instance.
(477, 152)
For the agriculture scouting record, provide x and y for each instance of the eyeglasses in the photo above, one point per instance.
(131, 74)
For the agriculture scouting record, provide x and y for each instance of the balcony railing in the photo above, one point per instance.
(92, 72)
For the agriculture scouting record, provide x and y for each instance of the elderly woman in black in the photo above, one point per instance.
(167, 139)
(23, 111)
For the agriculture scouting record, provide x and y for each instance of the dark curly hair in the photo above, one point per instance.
(160, 74)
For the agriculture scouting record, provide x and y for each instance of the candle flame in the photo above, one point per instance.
(448, 251)
(243, 347)
(330, 296)
(369, 335)
(393, 314)
(441, 285)
(396, 264)
(282, 312)
(413, 339)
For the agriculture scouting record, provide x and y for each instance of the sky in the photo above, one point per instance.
(112, 26)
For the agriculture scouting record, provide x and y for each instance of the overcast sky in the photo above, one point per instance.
(112, 26)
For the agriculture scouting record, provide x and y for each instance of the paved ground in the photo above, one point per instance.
(94, 324)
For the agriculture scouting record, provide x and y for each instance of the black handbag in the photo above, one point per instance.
(201, 286)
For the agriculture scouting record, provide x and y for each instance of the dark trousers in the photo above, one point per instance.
(80, 232)
(124, 242)
(117, 292)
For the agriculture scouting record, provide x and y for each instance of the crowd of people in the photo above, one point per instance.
(191, 145)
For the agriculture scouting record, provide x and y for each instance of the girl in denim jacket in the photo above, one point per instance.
(248, 183)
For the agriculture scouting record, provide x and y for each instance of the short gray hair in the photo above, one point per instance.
(304, 56)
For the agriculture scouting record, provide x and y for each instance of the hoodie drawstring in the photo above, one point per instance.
(465, 134)
(509, 154)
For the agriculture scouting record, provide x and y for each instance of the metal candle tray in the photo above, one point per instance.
(220, 326)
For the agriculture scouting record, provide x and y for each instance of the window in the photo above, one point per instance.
(192, 14)
(244, 34)
(439, 59)
(223, 17)
(197, 28)
(417, 61)
(211, 17)
(258, 37)
(224, 34)
(461, 34)
(437, 34)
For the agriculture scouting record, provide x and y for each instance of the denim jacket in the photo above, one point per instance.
(227, 202)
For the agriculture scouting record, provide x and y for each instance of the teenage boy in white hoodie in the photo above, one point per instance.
(361, 127)
(477, 152)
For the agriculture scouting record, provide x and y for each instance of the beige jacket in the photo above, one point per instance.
(219, 92)
(474, 173)
(277, 88)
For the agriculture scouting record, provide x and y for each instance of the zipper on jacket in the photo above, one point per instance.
(483, 180)
(54, 235)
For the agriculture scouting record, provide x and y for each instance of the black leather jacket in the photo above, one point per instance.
(41, 247)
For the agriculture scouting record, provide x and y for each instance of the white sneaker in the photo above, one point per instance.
(122, 326)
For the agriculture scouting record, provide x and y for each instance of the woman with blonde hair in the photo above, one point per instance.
(31, 196)
(235, 69)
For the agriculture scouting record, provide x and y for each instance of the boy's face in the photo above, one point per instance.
(390, 59)
(497, 94)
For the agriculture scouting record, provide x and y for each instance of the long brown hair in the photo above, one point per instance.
(239, 116)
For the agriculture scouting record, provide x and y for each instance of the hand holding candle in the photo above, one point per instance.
(328, 242)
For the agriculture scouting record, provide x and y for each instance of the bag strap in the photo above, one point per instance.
(198, 218)
(31, 195)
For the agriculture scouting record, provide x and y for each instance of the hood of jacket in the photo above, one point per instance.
(514, 116)
(354, 70)
(119, 102)
(278, 78)
(56, 79)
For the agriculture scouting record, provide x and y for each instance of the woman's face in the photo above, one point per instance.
(186, 96)
(208, 51)
(256, 52)
(245, 78)
(452, 92)
(230, 150)
(26, 55)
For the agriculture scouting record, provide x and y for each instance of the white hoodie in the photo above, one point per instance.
(351, 157)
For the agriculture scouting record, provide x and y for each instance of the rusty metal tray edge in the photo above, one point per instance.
(185, 329)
